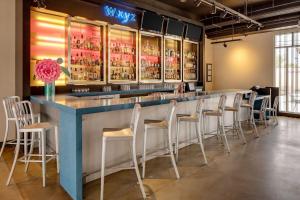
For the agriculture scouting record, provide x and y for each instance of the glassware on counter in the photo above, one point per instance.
(125, 87)
(80, 90)
(106, 88)
(147, 87)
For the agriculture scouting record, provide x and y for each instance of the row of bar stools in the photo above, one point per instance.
(235, 109)
(8, 103)
(25, 123)
(196, 119)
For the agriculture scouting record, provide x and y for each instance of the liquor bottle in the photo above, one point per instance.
(72, 60)
(74, 42)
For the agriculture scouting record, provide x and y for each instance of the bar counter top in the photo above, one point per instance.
(93, 103)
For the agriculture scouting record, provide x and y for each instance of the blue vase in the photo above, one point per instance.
(49, 90)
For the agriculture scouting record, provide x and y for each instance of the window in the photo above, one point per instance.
(287, 71)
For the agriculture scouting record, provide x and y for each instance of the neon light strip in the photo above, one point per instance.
(48, 44)
(46, 25)
(46, 19)
(51, 39)
(41, 57)
(78, 17)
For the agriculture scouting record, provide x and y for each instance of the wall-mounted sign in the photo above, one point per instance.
(122, 16)
(209, 71)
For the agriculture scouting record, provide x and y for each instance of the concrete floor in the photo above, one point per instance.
(267, 168)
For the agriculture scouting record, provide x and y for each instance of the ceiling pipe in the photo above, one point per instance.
(222, 7)
(226, 41)
(223, 14)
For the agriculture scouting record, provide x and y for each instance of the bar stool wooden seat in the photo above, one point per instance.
(122, 134)
(235, 109)
(196, 119)
(219, 114)
(8, 103)
(165, 124)
(25, 124)
(250, 107)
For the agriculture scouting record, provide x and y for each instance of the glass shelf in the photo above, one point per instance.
(86, 52)
(173, 65)
(122, 56)
(190, 61)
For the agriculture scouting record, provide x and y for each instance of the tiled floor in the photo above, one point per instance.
(267, 168)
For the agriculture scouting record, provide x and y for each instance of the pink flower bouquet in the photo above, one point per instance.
(49, 70)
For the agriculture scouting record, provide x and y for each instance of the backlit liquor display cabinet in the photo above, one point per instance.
(150, 59)
(86, 51)
(190, 61)
(122, 55)
(48, 40)
(172, 59)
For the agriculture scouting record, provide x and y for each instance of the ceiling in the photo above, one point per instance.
(204, 10)
(270, 13)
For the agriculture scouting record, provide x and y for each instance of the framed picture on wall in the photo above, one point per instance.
(209, 73)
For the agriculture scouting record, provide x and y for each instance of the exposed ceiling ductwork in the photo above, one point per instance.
(273, 17)
(225, 9)
(268, 13)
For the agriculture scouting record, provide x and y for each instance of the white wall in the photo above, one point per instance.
(7, 54)
(244, 64)
(208, 58)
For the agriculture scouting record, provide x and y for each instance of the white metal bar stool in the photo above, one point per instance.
(235, 109)
(123, 134)
(250, 107)
(22, 112)
(273, 111)
(8, 103)
(262, 112)
(165, 124)
(196, 119)
(219, 114)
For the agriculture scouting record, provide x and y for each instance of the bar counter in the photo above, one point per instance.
(86, 103)
(81, 119)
